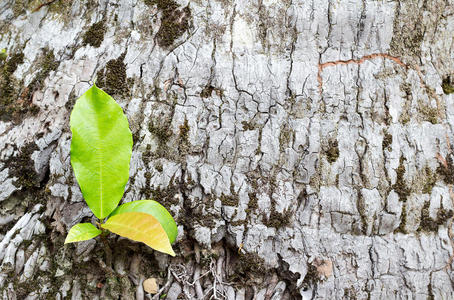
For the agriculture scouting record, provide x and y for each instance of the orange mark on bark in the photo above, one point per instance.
(355, 61)
(365, 58)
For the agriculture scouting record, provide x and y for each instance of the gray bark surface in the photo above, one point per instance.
(302, 146)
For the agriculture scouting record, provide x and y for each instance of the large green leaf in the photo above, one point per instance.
(101, 149)
(141, 227)
(82, 232)
(156, 210)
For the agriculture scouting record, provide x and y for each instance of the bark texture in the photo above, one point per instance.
(303, 146)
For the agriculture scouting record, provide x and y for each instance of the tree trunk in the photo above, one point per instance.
(302, 146)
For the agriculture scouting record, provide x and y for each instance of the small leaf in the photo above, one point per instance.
(101, 149)
(156, 210)
(82, 232)
(141, 227)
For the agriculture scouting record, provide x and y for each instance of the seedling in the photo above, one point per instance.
(101, 148)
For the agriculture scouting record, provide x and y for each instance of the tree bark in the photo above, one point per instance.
(302, 146)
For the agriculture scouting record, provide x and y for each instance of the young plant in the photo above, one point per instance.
(101, 148)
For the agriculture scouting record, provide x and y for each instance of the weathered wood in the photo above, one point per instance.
(303, 146)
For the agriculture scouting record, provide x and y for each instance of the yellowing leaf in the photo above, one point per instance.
(101, 147)
(141, 227)
(82, 232)
(156, 210)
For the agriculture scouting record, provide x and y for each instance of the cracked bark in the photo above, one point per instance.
(303, 147)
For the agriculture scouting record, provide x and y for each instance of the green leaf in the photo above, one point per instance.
(141, 227)
(101, 149)
(82, 232)
(156, 210)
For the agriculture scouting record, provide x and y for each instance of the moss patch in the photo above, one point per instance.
(286, 137)
(400, 187)
(208, 91)
(403, 220)
(408, 31)
(48, 63)
(430, 180)
(447, 172)
(447, 85)
(252, 204)
(112, 79)
(183, 138)
(247, 266)
(95, 35)
(22, 167)
(8, 86)
(311, 278)
(387, 142)
(16, 101)
(333, 152)
(162, 132)
(278, 220)
(174, 21)
(229, 200)
(19, 7)
(428, 113)
(428, 224)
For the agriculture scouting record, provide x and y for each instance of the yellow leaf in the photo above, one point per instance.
(82, 232)
(141, 227)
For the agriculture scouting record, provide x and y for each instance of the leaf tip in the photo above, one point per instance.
(171, 252)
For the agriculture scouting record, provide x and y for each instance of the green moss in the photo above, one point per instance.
(285, 137)
(184, 130)
(333, 152)
(183, 138)
(208, 91)
(15, 101)
(278, 220)
(246, 266)
(447, 172)
(404, 117)
(48, 64)
(311, 278)
(252, 204)
(387, 141)
(400, 187)
(428, 113)
(248, 125)
(158, 166)
(113, 288)
(95, 34)
(166, 196)
(362, 213)
(174, 21)
(112, 79)
(428, 224)
(430, 180)
(19, 7)
(447, 85)
(13, 62)
(61, 10)
(9, 89)
(162, 132)
(403, 220)
(408, 31)
(22, 167)
(229, 200)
